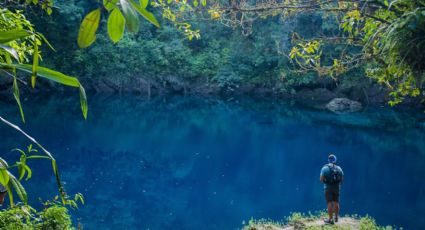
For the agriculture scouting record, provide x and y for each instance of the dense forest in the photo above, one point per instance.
(360, 52)
(234, 51)
(164, 60)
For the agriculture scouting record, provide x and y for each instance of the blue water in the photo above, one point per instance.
(208, 163)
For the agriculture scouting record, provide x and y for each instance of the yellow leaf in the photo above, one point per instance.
(88, 28)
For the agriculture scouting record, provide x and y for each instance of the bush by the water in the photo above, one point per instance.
(26, 217)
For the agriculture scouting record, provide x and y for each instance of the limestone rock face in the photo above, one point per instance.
(344, 105)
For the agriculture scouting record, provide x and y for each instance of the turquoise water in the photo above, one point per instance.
(208, 163)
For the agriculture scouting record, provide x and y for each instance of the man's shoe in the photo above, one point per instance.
(328, 221)
(336, 219)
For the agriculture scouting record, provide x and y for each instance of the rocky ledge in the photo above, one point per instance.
(300, 222)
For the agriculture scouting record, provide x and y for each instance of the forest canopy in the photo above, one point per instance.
(279, 45)
(390, 36)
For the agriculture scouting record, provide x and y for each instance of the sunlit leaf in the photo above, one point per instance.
(88, 28)
(79, 197)
(11, 51)
(54, 76)
(116, 25)
(144, 3)
(16, 95)
(19, 189)
(46, 41)
(20, 151)
(146, 14)
(110, 4)
(48, 74)
(11, 35)
(34, 65)
(38, 157)
(29, 172)
(83, 101)
(131, 18)
(4, 177)
(58, 181)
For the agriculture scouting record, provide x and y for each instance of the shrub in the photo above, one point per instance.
(23, 217)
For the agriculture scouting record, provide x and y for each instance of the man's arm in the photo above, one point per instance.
(322, 175)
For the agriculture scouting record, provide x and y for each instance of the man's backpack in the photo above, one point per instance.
(335, 175)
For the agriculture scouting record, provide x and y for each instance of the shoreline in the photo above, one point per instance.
(298, 221)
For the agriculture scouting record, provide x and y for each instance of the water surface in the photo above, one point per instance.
(208, 163)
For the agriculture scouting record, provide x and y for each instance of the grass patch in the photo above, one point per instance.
(304, 221)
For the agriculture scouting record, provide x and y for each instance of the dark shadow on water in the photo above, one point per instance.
(210, 163)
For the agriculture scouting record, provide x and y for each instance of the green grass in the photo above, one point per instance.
(298, 220)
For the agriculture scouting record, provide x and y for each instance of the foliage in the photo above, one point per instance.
(162, 57)
(125, 13)
(9, 181)
(386, 36)
(22, 217)
(55, 217)
(18, 41)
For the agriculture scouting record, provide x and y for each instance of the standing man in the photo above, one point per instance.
(331, 176)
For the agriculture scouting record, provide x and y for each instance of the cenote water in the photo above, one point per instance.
(208, 163)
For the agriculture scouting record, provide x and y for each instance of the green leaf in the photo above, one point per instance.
(131, 20)
(11, 51)
(20, 151)
(83, 101)
(48, 74)
(79, 197)
(46, 41)
(11, 35)
(58, 181)
(144, 3)
(110, 4)
(146, 14)
(3, 164)
(39, 157)
(116, 25)
(54, 76)
(29, 172)
(204, 2)
(34, 65)
(88, 28)
(19, 188)
(21, 171)
(4, 177)
(17, 96)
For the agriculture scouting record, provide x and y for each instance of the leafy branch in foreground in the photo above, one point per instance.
(18, 42)
(124, 14)
(7, 177)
